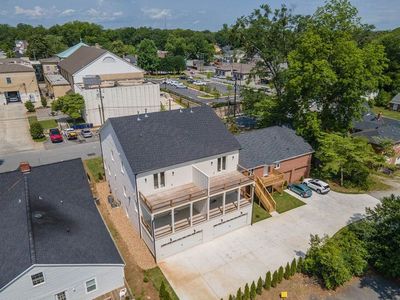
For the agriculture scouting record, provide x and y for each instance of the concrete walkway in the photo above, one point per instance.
(218, 268)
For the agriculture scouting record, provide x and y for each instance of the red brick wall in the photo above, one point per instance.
(293, 169)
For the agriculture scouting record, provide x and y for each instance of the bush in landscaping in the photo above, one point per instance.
(246, 294)
(163, 293)
(287, 273)
(274, 281)
(267, 283)
(293, 267)
(44, 101)
(239, 294)
(259, 286)
(383, 98)
(280, 274)
(253, 291)
(29, 106)
(36, 130)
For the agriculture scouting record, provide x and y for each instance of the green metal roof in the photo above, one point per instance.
(70, 50)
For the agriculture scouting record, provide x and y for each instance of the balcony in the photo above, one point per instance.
(229, 180)
(273, 179)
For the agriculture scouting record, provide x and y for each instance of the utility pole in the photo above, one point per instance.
(102, 105)
(234, 99)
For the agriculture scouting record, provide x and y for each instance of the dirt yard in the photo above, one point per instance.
(133, 250)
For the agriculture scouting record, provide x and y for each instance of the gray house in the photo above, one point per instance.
(54, 244)
(395, 103)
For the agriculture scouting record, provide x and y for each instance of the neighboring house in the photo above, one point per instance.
(395, 103)
(376, 129)
(132, 59)
(176, 174)
(71, 50)
(18, 82)
(239, 71)
(197, 64)
(50, 65)
(275, 150)
(89, 61)
(56, 85)
(3, 54)
(162, 53)
(21, 46)
(119, 98)
(54, 243)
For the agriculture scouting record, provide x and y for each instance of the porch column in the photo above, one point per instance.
(173, 220)
(252, 193)
(238, 198)
(191, 214)
(208, 208)
(223, 203)
(152, 227)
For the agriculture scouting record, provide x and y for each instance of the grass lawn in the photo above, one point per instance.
(259, 213)
(156, 277)
(376, 184)
(286, 202)
(386, 112)
(46, 124)
(95, 168)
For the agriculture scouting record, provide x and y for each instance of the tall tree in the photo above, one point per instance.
(147, 55)
(39, 47)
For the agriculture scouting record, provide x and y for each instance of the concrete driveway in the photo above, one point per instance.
(14, 129)
(218, 268)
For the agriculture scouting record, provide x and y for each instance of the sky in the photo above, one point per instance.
(192, 14)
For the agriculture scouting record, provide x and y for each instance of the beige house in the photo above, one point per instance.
(50, 65)
(18, 83)
(56, 85)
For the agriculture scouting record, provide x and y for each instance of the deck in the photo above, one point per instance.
(227, 181)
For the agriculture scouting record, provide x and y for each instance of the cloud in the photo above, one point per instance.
(117, 13)
(156, 13)
(100, 15)
(196, 22)
(35, 12)
(67, 12)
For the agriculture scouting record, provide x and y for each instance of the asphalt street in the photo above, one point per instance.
(10, 162)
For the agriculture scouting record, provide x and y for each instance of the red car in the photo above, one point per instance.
(55, 135)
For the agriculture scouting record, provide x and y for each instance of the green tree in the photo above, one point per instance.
(70, 104)
(287, 272)
(253, 291)
(259, 286)
(383, 240)
(383, 98)
(280, 274)
(274, 281)
(36, 130)
(43, 100)
(293, 267)
(39, 47)
(267, 283)
(147, 55)
(176, 46)
(300, 265)
(239, 295)
(30, 107)
(246, 294)
(347, 159)
(56, 44)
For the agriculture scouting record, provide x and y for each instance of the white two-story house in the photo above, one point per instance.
(176, 174)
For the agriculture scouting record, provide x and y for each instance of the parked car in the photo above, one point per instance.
(317, 185)
(181, 86)
(300, 189)
(198, 82)
(55, 135)
(70, 134)
(86, 133)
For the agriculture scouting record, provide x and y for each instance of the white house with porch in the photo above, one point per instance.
(176, 174)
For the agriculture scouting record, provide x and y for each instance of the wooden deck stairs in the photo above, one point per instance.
(264, 196)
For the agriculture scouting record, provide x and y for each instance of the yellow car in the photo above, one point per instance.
(71, 134)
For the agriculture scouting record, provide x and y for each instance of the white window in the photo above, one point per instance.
(91, 285)
(61, 296)
(221, 163)
(37, 278)
(159, 180)
(277, 165)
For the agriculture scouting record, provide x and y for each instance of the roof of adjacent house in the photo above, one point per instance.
(242, 68)
(70, 50)
(48, 216)
(56, 79)
(396, 99)
(270, 145)
(81, 58)
(172, 137)
(51, 60)
(15, 68)
(377, 129)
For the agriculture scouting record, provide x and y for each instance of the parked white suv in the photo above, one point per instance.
(317, 185)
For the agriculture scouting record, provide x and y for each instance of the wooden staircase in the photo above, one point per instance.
(265, 197)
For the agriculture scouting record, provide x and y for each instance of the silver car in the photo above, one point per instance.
(86, 133)
(317, 185)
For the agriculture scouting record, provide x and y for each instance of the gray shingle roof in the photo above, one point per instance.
(269, 145)
(71, 230)
(171, 137)
(396, 99)
(81, 58)
(15, 68)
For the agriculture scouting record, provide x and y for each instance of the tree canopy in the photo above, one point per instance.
(70, 104)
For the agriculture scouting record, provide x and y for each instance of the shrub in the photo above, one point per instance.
(246, 295)
(259, 286)
(287, 273)
(163, 290)
(280, 274)
(293, 267)
(145, 279)
(44, 101)
(253, 291)
(274, 281)
(383, 98)
(36, 130)
(239, 294)
(231, 297)
(29, 106)
(267, 283)
(300, 265)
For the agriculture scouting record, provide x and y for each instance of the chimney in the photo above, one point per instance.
(24, 167)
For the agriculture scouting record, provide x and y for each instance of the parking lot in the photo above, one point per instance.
(66, 143)
(218, 268)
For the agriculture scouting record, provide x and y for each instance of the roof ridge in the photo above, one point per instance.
(32, 251)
